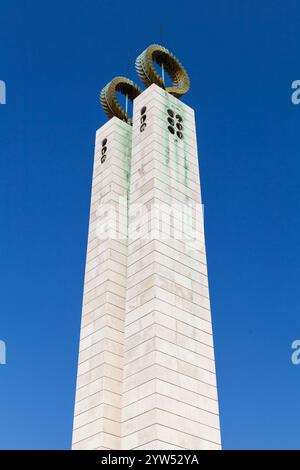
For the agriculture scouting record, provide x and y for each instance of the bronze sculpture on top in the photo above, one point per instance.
(145, 67)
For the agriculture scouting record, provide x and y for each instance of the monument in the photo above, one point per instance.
(146, 369)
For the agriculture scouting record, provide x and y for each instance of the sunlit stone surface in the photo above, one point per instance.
(146, 375)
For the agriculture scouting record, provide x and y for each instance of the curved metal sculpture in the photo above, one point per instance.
(148, 74)
(145, 67)
(109, 100)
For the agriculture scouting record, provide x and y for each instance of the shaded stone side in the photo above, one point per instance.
(97, 420)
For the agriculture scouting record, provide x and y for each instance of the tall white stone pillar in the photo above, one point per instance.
(169, 395)
(97, 421)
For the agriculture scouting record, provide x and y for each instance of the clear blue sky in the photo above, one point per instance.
(242, 56)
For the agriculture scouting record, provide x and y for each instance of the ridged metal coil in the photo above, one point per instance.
(148, 74)
(109, 101)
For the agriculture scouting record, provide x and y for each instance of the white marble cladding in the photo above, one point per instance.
(169, 394)
(97, 420)
(146, 373)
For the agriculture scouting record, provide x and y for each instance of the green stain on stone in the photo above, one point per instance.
(127, 167)
(185, 155)
(166, 149)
